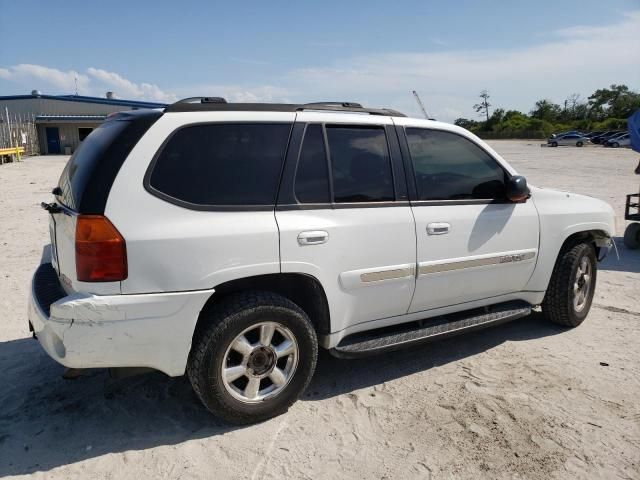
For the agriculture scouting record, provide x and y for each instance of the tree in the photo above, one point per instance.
(465, 123)
(617, 101)
(574, 108)
(546, 110)
(483, 107)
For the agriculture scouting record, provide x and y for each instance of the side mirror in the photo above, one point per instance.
(517, 190)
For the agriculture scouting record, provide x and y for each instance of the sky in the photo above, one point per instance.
(371, 52)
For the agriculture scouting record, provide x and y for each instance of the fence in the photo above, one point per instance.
(19, 130)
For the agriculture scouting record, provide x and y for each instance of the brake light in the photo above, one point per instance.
(101, 252)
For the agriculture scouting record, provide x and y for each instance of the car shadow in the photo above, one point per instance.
(47, 422)
(628, 261)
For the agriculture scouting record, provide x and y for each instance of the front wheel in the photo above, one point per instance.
(572, 285)
(253, 357)
(554, 144)
(632, 236)
(615, 144)
(579, 144)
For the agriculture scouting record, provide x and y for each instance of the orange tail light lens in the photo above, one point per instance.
(101, 252)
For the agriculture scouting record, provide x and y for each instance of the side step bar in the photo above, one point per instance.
(400, 336)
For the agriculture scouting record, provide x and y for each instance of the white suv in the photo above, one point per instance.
(228, 241)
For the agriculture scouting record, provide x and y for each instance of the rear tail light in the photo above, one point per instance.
(101, 252)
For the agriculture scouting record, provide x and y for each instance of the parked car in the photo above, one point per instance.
(569, 139)
(623, 140)
(561, 134)
(591, 135)
(601, 139)
(231, 241)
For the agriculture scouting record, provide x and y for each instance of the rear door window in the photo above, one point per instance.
(221, 164)
(360, 164)
(312, 175)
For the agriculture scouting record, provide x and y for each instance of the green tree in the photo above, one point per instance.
(617, 101)
(546, 110)
(466, 123)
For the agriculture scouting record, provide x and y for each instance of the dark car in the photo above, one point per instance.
(595, 133)
(602, 139)
(617, 140)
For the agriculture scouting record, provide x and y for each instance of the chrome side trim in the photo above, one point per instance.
(387, 275)
(476, 262)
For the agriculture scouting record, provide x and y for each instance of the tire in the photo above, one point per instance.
(561, 303)
(579, 144)
(632, 236)
(242, 316)
(615, 144)
(554, 144)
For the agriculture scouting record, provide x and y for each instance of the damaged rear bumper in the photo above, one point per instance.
(95, 331)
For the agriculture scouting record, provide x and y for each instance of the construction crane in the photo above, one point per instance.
(424, 112)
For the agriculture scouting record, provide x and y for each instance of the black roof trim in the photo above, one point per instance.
(349, 107)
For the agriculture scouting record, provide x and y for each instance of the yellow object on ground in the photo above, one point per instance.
(10, 151)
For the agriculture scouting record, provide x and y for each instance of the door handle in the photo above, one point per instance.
(313, 237)
(439, 228)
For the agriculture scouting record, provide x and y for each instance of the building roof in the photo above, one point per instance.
(84, 99)
(70, 118)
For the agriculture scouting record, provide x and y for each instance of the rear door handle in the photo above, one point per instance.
(439, 228)
(313, 237)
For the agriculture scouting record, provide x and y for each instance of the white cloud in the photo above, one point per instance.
(578, 59)
(38, 74)
(238, 93)
(94, 82)
(126, 88)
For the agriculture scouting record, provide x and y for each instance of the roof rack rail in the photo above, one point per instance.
(191, 100)
(198, 104)
(352, 107)
(334, 104)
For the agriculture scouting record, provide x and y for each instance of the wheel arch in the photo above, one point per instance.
(302, 289)
(597, 235)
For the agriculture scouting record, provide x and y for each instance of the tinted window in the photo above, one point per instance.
(222, 164)
(450, 167)
(80, 167)
(312, 177)
(360, 164)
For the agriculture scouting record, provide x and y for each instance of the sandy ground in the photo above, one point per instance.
(524, 400)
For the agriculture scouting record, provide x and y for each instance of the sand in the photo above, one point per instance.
(523, 400)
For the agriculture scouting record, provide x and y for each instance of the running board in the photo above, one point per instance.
(400, 336)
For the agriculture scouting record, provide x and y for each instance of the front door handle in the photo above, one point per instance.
(313, 237)
(439, 228)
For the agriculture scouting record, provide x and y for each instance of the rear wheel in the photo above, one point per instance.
(572, 285)
(632, 236)
(253, 358)
(615, 144)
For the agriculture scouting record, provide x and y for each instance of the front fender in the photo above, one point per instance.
(562, 215)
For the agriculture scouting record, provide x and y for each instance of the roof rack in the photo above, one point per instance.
(198, 104)
(192, 100)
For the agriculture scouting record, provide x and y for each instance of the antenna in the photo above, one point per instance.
(424, 112)
(75, 79)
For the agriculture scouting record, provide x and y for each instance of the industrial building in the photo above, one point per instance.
(58, 122)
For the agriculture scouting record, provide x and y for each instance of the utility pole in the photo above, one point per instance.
(424, 112)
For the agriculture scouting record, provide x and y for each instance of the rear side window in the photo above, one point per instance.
(222, 164)
(448, 166)
(89, 174)
(360, 164)
(312, 176)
